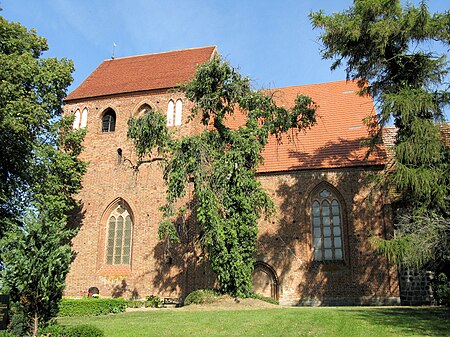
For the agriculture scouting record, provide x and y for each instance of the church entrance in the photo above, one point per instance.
(265, 281)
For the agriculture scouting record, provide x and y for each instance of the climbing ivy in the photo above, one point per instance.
(221, 164)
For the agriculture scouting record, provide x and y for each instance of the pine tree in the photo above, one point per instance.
(386, 48)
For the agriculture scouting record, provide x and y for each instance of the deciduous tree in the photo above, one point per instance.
(221, 164)
(39, 173)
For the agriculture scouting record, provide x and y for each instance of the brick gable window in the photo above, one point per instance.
(118, 248)
(326, 221)
(109, 121)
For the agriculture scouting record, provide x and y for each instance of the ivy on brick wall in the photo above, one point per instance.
(221, 164)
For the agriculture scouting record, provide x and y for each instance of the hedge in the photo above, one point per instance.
(91, 306)
(84, 330)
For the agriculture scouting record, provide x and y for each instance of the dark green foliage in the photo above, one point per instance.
(153, 302)
(202, 296)
(430, 230)
(136, 303)
(31, 94)
(55, 330)
(7, 334)
(18, 323)
(39, 173)
(36, 254)
(220, 163)
(84, 330)
(390, 50)
(153, 134)
(91, 306)
(442, 290)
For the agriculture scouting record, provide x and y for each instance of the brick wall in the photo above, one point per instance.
(284, 242)
(363, 277)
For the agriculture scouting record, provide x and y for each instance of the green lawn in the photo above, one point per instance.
(322, 321)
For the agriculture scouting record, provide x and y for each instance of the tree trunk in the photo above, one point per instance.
(35, 325)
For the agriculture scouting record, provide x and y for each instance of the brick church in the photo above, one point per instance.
(314, 251)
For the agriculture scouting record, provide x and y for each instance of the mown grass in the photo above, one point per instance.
(323, 321)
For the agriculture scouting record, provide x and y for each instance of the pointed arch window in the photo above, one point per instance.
(76, 121)
(145, 108)
(170, 113)
(119, 233)
(84, 118)
(326, 223)
(178, 112)
(109, 121)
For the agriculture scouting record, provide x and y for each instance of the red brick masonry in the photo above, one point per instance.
(329, 155)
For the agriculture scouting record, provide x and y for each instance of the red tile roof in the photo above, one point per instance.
(141, 73)
(335, 141)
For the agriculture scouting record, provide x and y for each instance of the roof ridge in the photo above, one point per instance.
(159, 53)
(308, 85)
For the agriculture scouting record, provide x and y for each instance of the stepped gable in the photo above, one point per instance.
(142, 73)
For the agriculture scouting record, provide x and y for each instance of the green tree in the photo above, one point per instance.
(39, 173)
(221, 164)
(31, 93)
(386, 47)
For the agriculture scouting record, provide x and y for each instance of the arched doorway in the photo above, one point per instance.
(265, 281)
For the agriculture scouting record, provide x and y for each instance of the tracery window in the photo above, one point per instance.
(109, 121)
(119, 232)
(326, 223)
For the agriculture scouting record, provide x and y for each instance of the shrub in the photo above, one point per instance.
(54, 330)
(442, 290)
(136, 303)
(18, 321)
(84, 330)
(91, 306)
(153, 302)
(201, 296)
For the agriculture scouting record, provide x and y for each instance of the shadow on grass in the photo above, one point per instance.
(428, 321)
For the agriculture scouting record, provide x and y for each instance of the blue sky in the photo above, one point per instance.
(271, 41)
